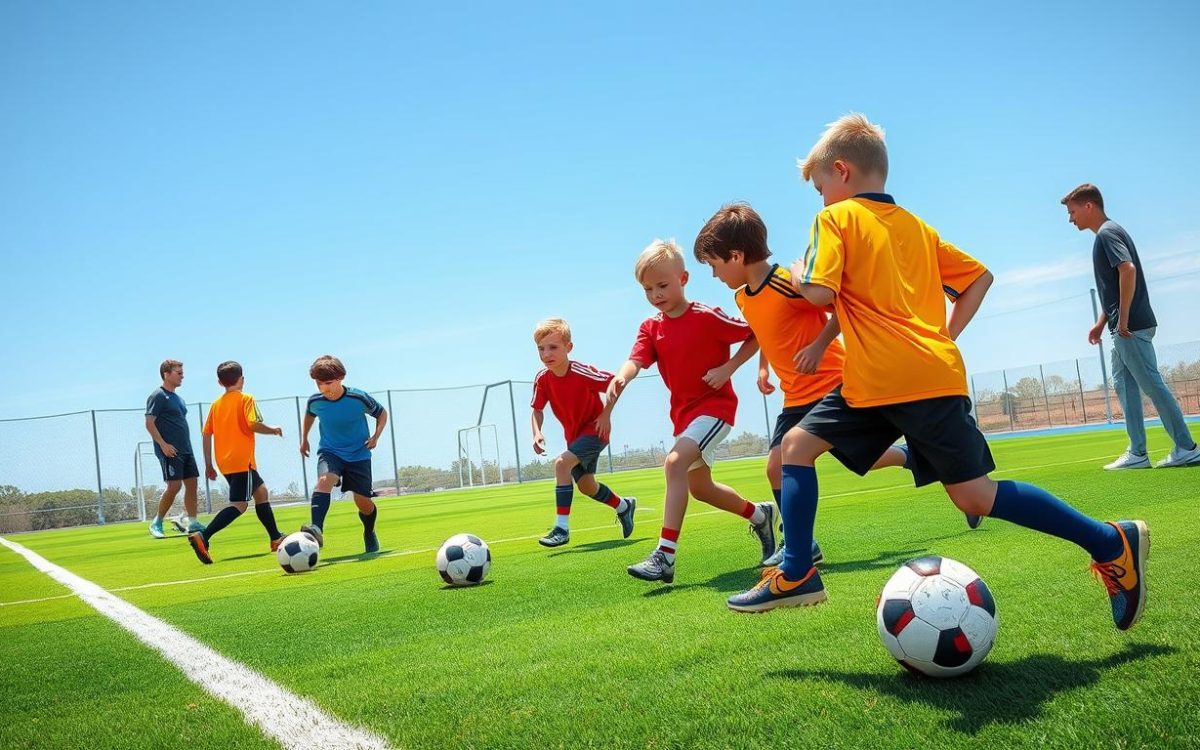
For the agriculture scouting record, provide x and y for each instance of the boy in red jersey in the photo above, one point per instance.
(572, 389)
(690, 343)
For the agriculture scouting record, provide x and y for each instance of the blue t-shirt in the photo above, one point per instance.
(343, 423)
(170, 417)
(1112, 247)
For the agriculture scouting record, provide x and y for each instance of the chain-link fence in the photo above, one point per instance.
(98, 466)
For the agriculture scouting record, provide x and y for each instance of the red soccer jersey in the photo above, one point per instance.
(686, 348)
(574, 398)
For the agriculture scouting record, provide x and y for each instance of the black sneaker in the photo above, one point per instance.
(557, 537)
(371, 542)
(765, 531)
(973, 521)
(315, 532)
(654, 568)
(626, 518)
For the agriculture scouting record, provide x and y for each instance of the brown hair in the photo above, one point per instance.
(854, 139)
(168, 365)
(327, 367)
(228, 373)
(736, 226)
(552, 325)
(1085, 193)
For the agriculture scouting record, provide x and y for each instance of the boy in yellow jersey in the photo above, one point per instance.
(796, 339)
(233, 420)
(886, 271)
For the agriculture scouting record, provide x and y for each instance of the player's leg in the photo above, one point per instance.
(588, 449)
(191, 501)
(660, 564)
(760, 515)
(358, 480)
(165, 501)
(263, 509)
(1141, 361)
(329, 475)
(1130, 398)
(564, 493)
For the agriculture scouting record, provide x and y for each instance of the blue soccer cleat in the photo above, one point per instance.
(775, 590)
(1125, 577)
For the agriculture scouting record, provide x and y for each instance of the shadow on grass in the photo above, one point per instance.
(1006, 693)
(354, 558)
(251, 556)
(485, 582)
(725, 583)
(599, 546)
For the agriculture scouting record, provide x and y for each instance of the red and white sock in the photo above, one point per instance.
(668, 542)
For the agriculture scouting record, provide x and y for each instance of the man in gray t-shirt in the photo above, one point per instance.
(1125, 310)
(166, 421)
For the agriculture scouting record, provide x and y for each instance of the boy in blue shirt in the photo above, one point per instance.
(344, 450)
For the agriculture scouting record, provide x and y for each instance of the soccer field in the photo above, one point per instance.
(561, 648)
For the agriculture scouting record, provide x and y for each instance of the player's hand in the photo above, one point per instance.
(603, 426)
(304, 448)
(1094, 333)
(716, 377)
(765, 386)
(372, 442)
(616, 386)
(1123, 329)
(808, 358)
(169, 450)
(539, 445)
(277, 431)
(211, 473)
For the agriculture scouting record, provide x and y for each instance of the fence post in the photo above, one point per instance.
(974, 403)
(767, 418)
(1103, 367)
(1082, 399)
(610, 466)
(99, 483)
(512, 405)
(207, 490)
(392, 430)
(1009, 402)
(300, 436)
(1045, 397)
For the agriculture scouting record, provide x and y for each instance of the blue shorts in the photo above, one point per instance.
(587, 449)
(353, 476)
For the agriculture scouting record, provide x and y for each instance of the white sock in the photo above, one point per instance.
(562, 522)
(623, 505)
(759, 516)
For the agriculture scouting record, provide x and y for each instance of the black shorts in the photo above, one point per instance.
(787, 419)
(945, 443)
(354, 476)
(587, 449)
(177, 468)
(242, 485)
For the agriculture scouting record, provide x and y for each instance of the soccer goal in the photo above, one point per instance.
(481, 444)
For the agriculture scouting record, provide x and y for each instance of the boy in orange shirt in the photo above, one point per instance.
(886, 271)
(233, 420)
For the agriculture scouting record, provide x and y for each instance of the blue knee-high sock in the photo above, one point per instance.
(799, 511)
(1035, 508)
(320, 506)
(227, 516)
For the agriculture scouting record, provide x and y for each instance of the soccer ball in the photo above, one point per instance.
(464, 560)
(298, 552)
(937, 617)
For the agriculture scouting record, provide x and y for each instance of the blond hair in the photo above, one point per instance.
(552, 325)
(656, 253)
(854, 139)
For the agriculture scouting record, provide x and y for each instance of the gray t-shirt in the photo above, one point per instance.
(1114, 246)
(170, 415)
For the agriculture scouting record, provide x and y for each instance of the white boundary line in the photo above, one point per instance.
(405, 553)
(292, 721)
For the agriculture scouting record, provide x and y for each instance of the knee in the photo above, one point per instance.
(775, 467)
(971, 500)
(674, 465)
(800, 448)
(325, 482)
(239, 507)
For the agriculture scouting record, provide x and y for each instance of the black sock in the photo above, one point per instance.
(227, 516)
(266, 517)
(320, 506)
(368, 521)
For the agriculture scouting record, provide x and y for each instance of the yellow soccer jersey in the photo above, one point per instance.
(784, 323)
(890, 271)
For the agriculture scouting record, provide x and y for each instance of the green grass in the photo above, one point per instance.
(562, 649)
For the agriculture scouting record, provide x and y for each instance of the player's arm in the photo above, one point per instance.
(536, 419)
(616, 387)
(152, 428)
(808, 358)
(764, 375)
(821, 296)
(1127, 283)
(265, 429)
(719, 376)
(967, 304)
(304, 428)
(210, 471)
(380, 422)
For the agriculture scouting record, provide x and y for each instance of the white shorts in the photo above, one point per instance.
(706, 432)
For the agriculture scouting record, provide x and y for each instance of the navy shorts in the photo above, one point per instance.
(177, 468)
(355, 476)
(242, 485)
(945, 444)
(587, 449)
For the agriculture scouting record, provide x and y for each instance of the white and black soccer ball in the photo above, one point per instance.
(298, 552)
(464, 560)
(937, 617)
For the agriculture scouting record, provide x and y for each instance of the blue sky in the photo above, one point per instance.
(412, 188)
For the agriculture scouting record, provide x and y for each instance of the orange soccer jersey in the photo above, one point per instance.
(229, 419)
(891, 272)
(784, 323)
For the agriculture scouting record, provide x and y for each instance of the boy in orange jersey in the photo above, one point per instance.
(886, 271)
(690, 344)
(572, 389)
(233, 420)
(796, 339)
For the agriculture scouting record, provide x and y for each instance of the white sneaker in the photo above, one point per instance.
(1129, 460)
(180, 523)
(1180, 457)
